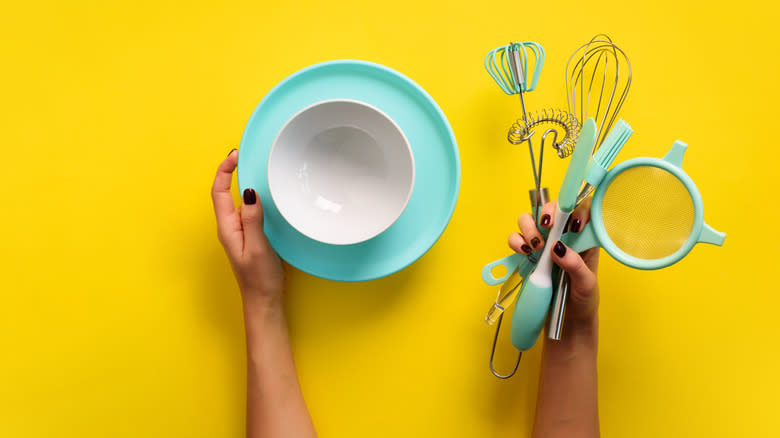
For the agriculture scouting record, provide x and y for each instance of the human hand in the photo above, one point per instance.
(255, 264)
(582, 306)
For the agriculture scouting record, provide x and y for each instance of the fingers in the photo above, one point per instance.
(220, 190)
(530, 239)
(547, 215)
(572, 263)
(530, 232)
(228, 226)
(252, 221)
(580, 216)
(518, 243)
(583, 280)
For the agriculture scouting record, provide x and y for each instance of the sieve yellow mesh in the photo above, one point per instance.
(648, 213)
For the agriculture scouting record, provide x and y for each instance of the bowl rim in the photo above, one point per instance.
(384, 115)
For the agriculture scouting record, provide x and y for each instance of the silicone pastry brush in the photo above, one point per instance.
(534, 299)
(597, 168)
(604, 156)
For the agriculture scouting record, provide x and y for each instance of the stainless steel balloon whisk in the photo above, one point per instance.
(598, 77)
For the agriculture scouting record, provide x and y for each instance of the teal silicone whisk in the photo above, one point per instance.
(508, 65)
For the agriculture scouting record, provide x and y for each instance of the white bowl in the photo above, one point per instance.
(340, 171)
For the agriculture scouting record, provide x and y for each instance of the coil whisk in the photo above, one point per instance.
(523, 128)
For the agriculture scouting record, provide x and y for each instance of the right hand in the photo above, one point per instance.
(583, 301)
(255, 264)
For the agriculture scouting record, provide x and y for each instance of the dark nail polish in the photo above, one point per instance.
(525, 248)
(535, 242)
(575, 225)
(231, 151)
(250, 197)
(559, 249)
(545, 220)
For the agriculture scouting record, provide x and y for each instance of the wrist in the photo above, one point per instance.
(580, 339)
(261, 305)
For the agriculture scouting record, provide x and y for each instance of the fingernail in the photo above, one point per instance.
(231, 151)
(535, 242)
(575, 225)
(559, 249)
(525, 248)
(545, 220)
(250, 197)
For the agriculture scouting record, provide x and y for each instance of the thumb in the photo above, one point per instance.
(252, 223)
(583, 285)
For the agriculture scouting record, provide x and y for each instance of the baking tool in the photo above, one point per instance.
(604, 156)
(508, 291)
(508, 65)
(504, 62)
(647, 213)
(558, 304)
(437, 165)
(594, 173)
(340, 171)
(523, 128)
(536, 293)
(599, 67)
(598, 77)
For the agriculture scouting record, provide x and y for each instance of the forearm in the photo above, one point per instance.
(567, 403)
(275, 404)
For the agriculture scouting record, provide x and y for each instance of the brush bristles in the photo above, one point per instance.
(615, 140)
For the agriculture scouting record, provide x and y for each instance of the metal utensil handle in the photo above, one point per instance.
(558, 308)
(538, 199)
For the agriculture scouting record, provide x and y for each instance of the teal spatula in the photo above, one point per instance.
(536, 293)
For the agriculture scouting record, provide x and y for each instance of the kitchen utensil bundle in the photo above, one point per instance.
(646, 212)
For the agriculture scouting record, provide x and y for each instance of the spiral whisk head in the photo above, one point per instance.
(565, 123)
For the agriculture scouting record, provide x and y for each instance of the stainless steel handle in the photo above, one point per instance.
(558, 309)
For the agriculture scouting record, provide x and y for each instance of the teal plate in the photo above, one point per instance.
(437, 173)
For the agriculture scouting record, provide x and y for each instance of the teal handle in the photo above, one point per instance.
(530, 313)
(510, 262)
(711, 235)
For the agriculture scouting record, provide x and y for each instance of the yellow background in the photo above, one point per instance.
(119, 315)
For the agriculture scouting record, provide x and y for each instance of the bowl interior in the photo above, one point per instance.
(340, 171)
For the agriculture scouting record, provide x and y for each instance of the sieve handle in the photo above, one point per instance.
(584, 240)
(711, 235)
